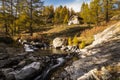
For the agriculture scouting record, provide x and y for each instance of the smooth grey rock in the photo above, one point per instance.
(25, 74)
(4, 63)
(8, 73)
(22, 63)
(3, 56)
(28, 71)
(105, 50)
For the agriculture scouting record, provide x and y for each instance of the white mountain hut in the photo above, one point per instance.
(75, 20)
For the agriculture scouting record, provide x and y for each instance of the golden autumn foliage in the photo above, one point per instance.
(82, 45)
(75, 41)
(69, 41)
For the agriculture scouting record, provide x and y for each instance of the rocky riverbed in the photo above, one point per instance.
(20, 65)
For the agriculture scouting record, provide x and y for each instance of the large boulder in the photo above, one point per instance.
(3, 53)
(3, 56)
(104, 51)
(108, 34)
(10, 62)
(28, 71)
(58, 42)
(7, 72)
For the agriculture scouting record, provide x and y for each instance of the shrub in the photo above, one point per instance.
(69, 41)
(82, 45)
(75, 41)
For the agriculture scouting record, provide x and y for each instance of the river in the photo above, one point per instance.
(56, 65)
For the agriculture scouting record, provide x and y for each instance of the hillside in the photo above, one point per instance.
(64, 30)
(103, 53)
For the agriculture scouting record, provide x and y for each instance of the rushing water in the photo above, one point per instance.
(55, 58)
(53, 65)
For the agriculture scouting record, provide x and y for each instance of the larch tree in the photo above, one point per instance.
(95, 11)
(4, 16)
(66, 19)
(48, 13)
(85, 12)
(33, 5)
(107, 7)
(57, 17)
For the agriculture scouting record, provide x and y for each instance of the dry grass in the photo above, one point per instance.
(111, 72)
(88, 34)
(59, 28)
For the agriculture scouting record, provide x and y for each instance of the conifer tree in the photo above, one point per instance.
(72, 12)
(75, 41)
(69, 41)
(66, 18)
(107, 7)
(85, 12)
(48, 12)
(95, 11)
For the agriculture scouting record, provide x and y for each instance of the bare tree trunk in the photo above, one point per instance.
(4, 15)
(119, 5)
(97, 13)
(106, 12)
(12, 29)
(31, 18)
(16, 15)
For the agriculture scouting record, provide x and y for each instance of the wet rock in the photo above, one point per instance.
(3, 52)
(14, 50)
(2, 49)
(2, 77)
(64, 75)
(47, 59)
(4, 63)
(64, 48)
(32, 58)
(28, 48)
(3, 56)
(7, 73)
(22, 63)
(28, 71)
(7, 40)
(10, 62)
(25, 74)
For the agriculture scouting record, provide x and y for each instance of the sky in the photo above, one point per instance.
(75, 4)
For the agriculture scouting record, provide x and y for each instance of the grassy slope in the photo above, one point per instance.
(83, 32)
(88, 34)
(64, 31)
